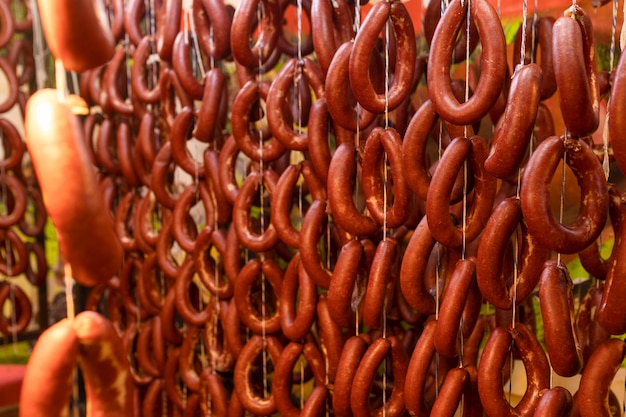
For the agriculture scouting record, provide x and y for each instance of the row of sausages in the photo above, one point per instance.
(23, 216)
(259, 198)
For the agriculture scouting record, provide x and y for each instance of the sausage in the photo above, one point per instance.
(348, 269)
(454, 299)
(186, 307)
(263, 240)
(535, 195)
(616, 109)
(333, 23)
(93, 343)
(339, 97)
(296, 318)
(147, 89)
(512, 136)
(380, 283)
(86, 236)
(590, 333)
(351, 355)
(493, 62)
(211, 271)
(258, 322)
(278, 121)
(12, 144)
(438, 197)
(595, 382)
(494, 282)
(417, 371)
(575, 71)
(283, 375)
(282, 200)
(340, 183)
(404, 70)
(252, 55)
(610, 313)
(557, 311)
(310, 233)
(77, 33)
(208, 123)
(247, 395)
(58, 342)
(495, 354)
(450, 393)
(554, 402)
(245, 135)
(590, 257)
(212, 18)
(366, 373)
(431, 20)
(21, 313)
(376, 187)
(168, 25)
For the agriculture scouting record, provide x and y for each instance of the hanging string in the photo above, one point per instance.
(562, 196)
(523, 29)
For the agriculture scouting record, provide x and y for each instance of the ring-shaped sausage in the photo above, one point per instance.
(513, 133)
(12, 83)
(576, 72)
(431, 20)
(254, 183)
(15, 256)
(253, 401)
(454, 299)
(380, 283)
(496, 288)
(342, 105)
(535, 195)
(186, 307)
(37, 272)
(490, 381)
(183, 53)
(297, 300)
(282, 200)
(376, 183)
(15, 203)
(253, 54)
(179, 139)
(144, 73)
(542, 33)
(277, 119)
(283, 376)
(21, 311)
(13, 145)
(256, 144)
(333, 23)
(364, 45)
(348, 274)
(493, 62)
(161, 187)
(599, 372)
(340, 191)
(438, 199)
(124, 147)
(212, 18)
(209, 122)
(210, 271)
(366, 373)
(266, 321)
(310, 233)
(557, 312)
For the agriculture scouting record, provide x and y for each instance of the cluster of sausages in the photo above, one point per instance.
(280, 227)
(23, 216)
